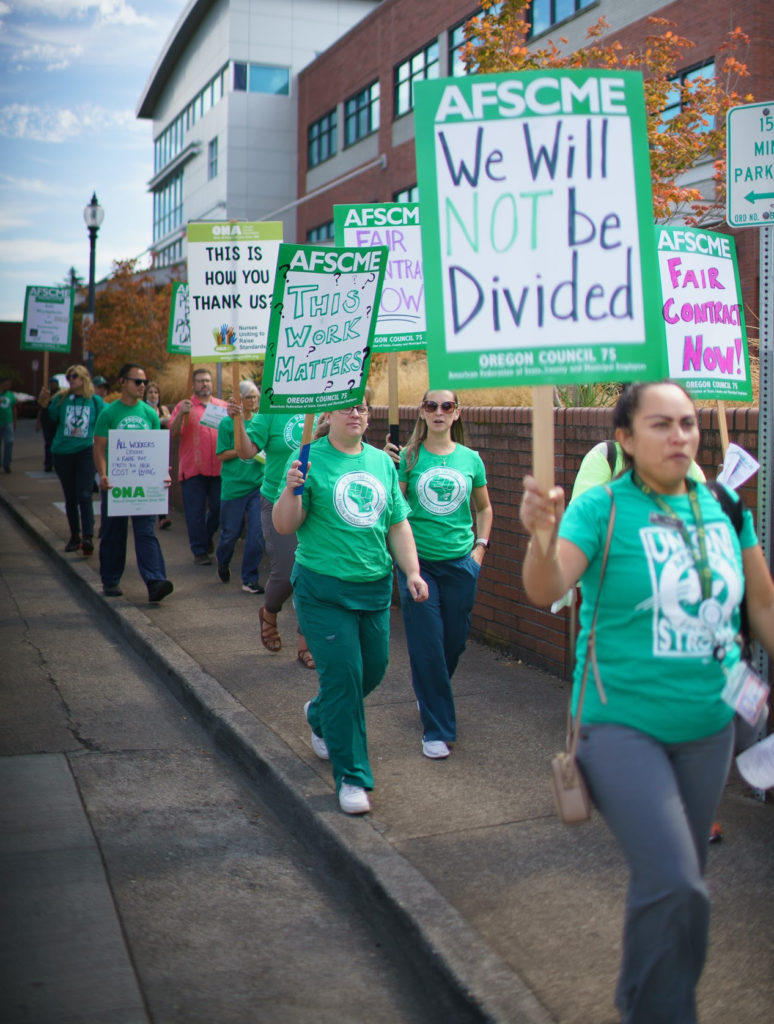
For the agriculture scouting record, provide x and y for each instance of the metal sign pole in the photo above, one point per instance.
(766, 396)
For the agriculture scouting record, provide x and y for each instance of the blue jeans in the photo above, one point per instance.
(6, 442)
(112, 547)
(232, 515)
(201, 503)
(659, 801)
(436, 633)
(76, 474)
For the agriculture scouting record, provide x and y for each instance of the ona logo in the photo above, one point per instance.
(226, 229)
(128, 492)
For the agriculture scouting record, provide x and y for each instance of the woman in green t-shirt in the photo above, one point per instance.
(349, 512)
(439, 476)
(74, 410)
(656, 735)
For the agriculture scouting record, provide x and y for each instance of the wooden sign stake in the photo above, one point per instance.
(722, 426)
(543, 446)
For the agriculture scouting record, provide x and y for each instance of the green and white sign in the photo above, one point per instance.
(537, 229)
(323, 316)
(231, 269)
(750, 165)
(179, 335)
(703, 313)
(138, 466)
(48, 319)
(401, 321)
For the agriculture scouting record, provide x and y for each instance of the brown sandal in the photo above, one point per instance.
(270, 637)
(306, 658)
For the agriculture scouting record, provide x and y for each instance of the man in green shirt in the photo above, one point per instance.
(8, 416)
(129, 412)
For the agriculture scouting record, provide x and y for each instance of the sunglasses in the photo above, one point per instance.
(434, 406)
(73, 376)
(136, 380)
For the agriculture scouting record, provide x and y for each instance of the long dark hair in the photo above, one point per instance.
(419, 433)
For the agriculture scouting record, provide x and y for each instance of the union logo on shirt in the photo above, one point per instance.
(294, 429)
(441, 490)
(359, 498)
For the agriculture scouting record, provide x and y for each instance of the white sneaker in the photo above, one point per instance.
(435, 749)
(319, 746)
(353, 799)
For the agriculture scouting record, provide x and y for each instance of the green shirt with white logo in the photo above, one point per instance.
(75, 419)
(117, 416)
(439, 489)
(351, 501)
(277, 435)
(238, 477)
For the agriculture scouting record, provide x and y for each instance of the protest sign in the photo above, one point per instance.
(400, 324)
(231, 270)
(703, 313)
(537, 229)
(179, 334)
(138, 465)
(48, 319)
(323, 314)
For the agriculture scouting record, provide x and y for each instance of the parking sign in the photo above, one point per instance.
(750, 165)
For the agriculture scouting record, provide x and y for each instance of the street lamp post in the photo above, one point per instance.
(93, 215)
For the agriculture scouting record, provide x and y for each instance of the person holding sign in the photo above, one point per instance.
(348, 511)
(128, 412)
(240, 499)
(657, 731)
(199, 466)
(439, 476)
(74, 413)
(276, 435)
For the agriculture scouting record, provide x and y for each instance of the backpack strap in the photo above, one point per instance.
(735, 512)
(612, 456)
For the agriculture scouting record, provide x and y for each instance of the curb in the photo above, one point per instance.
(469, 981)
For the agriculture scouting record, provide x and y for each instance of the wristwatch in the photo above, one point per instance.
(481, 542)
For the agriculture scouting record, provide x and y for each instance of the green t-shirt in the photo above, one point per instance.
(595, 468)
(654, 651)
(351, 501)
(276, 434)
(75, 418)
(7, 402)
(439, 493)
(238, 477)
(117, 416)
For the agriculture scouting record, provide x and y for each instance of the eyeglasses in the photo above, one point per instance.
(361, 410)
(429, 406)
(73, 376)
(136, 380)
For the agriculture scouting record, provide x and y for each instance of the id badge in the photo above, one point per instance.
(745, 692)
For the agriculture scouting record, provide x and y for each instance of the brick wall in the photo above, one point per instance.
(503, 616)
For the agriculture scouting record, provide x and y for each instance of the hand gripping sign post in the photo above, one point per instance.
(704, 316)
(231, 269)
(323, 317)
(400, 324)
(48, 321)
(537, 234)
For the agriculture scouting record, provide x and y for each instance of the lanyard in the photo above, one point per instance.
(700, 561)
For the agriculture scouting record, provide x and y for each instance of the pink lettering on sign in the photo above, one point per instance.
(711, 357)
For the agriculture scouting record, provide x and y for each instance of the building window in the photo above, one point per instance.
(169, 254)
(172, 139)
(322, 139)
(545, 13)
(322, 233)
(212, 159)
(423, 64)
(263, 78)
(408, 195)
(457, 40)
(676, 102)
(168, 207)
(361, 114)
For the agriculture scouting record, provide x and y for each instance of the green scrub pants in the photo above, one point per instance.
(347, 627)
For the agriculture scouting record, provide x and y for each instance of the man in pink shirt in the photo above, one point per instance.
(198, 466)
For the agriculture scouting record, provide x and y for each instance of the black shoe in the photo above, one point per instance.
(112, 591)
(73, 544)
(253, 587)
(202, 560)
(158, 590)
(88, 546)
(224, 573)
(165, 523)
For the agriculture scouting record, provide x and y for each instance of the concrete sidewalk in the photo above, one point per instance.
(465, 857)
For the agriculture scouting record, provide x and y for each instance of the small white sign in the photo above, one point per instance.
(138, 466)
(750, 165)
(738, 466)
(756, 764)
(212, 415)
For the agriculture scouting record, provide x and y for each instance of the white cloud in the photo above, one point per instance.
(117, 12)
(60, 124)
(54, 56)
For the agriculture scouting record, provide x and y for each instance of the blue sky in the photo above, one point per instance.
(71, 74)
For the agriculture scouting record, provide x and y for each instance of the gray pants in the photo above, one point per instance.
(659, 801)
(281, 549)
